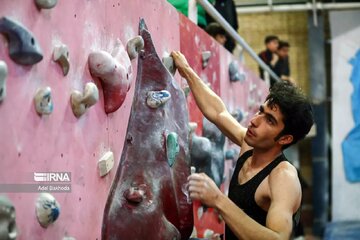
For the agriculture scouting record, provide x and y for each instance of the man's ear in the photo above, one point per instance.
(286, 139)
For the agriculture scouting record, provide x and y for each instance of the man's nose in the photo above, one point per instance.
(255, 121)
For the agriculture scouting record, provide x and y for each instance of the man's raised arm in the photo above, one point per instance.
(208, 102)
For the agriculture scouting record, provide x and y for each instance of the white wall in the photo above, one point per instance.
(345, 29)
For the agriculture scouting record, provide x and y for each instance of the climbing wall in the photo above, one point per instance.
(61, 142)
(58, 116)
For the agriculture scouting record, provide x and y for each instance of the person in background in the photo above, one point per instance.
(269, 55)
(216, 31)
(183, 7)
(227, 9)
(282, 68)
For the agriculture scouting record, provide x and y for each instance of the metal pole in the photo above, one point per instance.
(227, 27)
(297, 7)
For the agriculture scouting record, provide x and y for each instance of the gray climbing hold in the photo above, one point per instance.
(200, 151)
(3, 75)
(61, 56)
(80, 102)
(43, 101)
(238, 114)
(169, 64)
(234, 73)
(230, 154)
(157, 98)
(205, 58)
(23, 48)
(8, 229)
(47, 209)
(172, 147)
(46, 4)
(134, 46)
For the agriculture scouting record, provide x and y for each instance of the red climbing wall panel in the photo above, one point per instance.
(60, 141)
(193, 42)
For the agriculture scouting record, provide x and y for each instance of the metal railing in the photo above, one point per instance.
(233, 34)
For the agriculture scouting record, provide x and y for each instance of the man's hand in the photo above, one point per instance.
(204, 189)
(180, 62)
(274, 59)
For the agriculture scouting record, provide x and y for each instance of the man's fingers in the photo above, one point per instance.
(194, 196)
(196, 183)
(197, 176)
(195, 189)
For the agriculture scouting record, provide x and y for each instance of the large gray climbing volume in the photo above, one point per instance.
(207, 152)
(23, 47)
(146, 200)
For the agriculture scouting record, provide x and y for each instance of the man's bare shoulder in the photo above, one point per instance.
(285, 171)
(284, 181)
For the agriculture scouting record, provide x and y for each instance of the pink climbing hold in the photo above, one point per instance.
(115, 72)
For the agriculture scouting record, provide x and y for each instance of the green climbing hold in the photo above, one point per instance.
(172, 147)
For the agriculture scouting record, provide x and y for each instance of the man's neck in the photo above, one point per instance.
(263, 157)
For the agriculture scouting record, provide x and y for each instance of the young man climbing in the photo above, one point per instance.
(264, 192)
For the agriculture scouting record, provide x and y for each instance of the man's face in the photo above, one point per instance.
(283, 52)
(264, 127)
(273, 45)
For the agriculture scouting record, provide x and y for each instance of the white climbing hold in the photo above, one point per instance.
(61, 56)
(43, 101)
(80, 102)
(134, 46)
(106, 163)
(205, 58)
(192, 126)
(47, 209)
(157, 98)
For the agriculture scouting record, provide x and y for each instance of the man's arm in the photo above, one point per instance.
(285, 199)
(208, 102)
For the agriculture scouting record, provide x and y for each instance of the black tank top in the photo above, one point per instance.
(244, 195)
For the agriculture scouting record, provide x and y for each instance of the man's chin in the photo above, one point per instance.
(248, 141)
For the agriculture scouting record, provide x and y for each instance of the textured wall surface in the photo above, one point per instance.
(60, 141)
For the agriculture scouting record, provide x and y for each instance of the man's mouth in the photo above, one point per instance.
(250, 133)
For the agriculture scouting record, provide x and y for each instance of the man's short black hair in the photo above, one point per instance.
(295, 108)
(270, 38)
(283, 44)
(214, 29)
